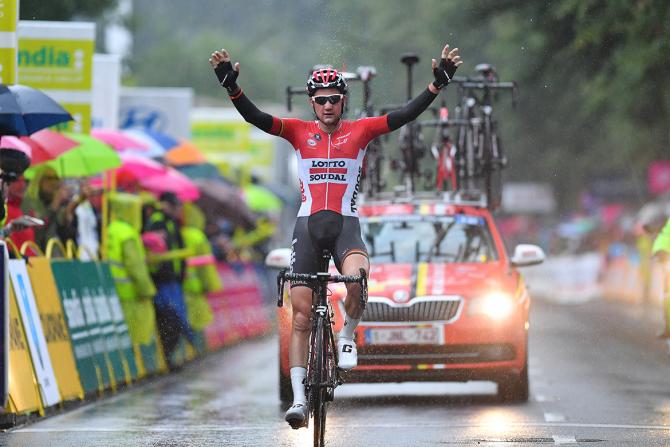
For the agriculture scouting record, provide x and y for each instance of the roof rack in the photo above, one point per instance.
(400, 195)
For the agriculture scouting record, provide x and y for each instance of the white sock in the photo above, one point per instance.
(349, 327)
(298, 374)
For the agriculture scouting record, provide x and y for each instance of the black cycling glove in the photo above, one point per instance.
(227, 76)
(444, 72)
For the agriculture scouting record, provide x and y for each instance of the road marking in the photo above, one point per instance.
(554, 417)
(543, 398)
(199, 429)
(564, 439)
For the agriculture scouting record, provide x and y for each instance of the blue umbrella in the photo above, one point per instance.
(158, 143)
(25, 110)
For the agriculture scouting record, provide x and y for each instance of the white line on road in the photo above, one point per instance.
(564, 439)
(554, 417)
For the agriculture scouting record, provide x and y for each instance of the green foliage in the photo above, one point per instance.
(595, 95)
(63, 9)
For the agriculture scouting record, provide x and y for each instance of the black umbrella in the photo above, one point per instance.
(25, 110)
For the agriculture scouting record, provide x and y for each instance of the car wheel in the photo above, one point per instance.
(514, 388)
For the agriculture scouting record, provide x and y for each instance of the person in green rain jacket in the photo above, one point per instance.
(201, 275)
(128, 265)
(661, 251)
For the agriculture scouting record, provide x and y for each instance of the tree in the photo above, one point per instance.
(64, 9)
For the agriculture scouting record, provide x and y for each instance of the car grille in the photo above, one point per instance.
(447, 354)
(444, 309)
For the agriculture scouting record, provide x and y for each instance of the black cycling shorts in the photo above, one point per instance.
(320, 231)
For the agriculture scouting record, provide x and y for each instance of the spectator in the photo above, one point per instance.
(48, 199)
(168, 275)
(15, 192)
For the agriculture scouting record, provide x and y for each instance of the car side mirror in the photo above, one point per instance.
(526, 255)
(279, 258)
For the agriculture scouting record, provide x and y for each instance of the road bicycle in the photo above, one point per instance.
(480, 158)
(323, 375)
(411, 142)
(444, 149)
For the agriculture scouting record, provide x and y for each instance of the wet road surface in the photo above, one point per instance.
(598, 377)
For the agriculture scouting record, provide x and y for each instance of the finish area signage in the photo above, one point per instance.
(57, 57)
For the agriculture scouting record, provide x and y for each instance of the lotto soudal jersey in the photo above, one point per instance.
(330, 165)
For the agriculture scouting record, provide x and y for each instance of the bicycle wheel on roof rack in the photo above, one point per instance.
(493, 186)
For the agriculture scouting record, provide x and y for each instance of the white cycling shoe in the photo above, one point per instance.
(346, 353)
(297, 416)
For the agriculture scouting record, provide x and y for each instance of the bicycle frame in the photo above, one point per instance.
(323, 376)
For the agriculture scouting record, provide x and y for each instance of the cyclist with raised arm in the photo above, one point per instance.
(329, 153)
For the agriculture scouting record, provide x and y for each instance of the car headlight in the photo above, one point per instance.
(495, 305)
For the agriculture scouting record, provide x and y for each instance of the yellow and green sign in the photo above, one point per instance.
(59, 64)
(231, 144)
(9, 16)
(57, 57)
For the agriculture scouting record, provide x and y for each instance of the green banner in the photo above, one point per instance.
(120, 326)
(91, 285)
(87, 361)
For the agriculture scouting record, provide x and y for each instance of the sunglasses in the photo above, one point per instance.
(333, 99)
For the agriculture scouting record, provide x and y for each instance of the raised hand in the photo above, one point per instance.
(224, 70)
(446, 69)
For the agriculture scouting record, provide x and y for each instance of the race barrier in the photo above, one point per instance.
(238, 308)
(67, 338)
(566, 278)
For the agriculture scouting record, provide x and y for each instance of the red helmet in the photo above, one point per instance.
(326, 78)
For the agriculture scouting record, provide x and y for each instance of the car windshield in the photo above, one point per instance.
(409, 239)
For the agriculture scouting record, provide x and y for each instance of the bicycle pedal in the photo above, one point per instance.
(295, 425)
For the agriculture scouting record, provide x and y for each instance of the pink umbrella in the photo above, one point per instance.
(155, 177)
(43, 146)
(172, 181)
(119, 140)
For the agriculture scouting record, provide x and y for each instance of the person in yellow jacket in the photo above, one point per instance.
(201, 276)
(128, 265)
(661, 251)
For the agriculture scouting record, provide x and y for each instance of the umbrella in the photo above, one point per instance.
(171, 181)
(88, 158)
(158, 143)
(155, 177)
(261, 199)
(218, 199)
(41, 146)
(185, 154)
(25, 110)
(119, 140)
(202, 171)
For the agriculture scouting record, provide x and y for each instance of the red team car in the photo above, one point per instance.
(446, 302)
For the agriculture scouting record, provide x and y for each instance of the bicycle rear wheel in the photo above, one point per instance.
(319, 390)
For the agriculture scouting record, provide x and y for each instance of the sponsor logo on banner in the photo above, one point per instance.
(34, 332)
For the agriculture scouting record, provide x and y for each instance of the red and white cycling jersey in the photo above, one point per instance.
(330, 165)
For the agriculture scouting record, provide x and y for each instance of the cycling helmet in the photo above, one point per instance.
(326, 78)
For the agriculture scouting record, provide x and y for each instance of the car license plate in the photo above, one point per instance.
(404, 336)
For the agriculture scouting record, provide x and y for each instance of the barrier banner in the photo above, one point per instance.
(23, 395)
(239, 311)
(37, 343)
(88, 363)
(91, 286)
(55, 328)
(120, 326)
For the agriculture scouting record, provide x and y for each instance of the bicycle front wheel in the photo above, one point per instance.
(319, 390)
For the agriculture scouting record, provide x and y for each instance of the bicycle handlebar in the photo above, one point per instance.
(323, 278)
